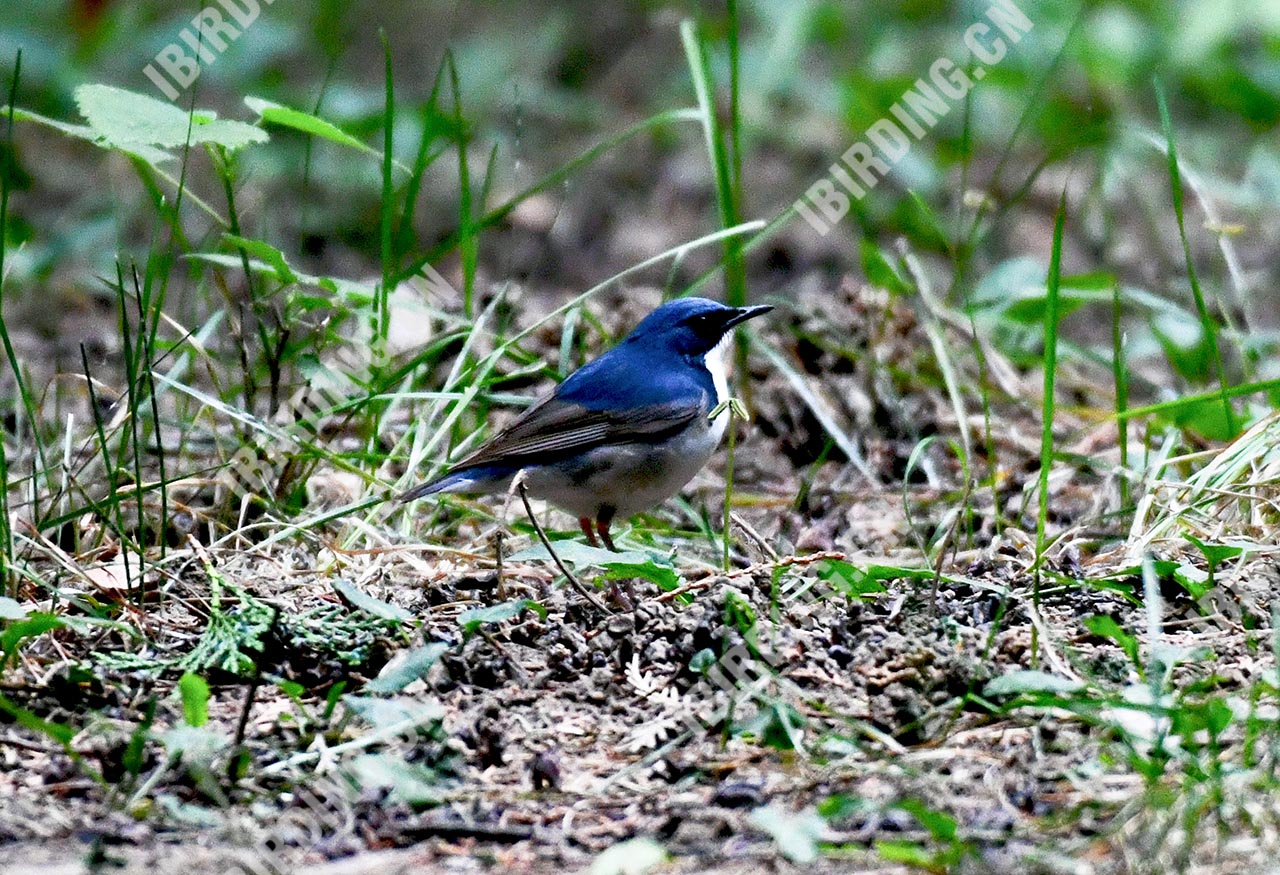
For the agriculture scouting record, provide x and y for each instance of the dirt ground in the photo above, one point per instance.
(551, 739)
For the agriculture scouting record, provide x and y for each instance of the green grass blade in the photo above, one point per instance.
(6, 173)
(468, 242)
(1050, 364)
(726, 185)
(1207, 322)
(425, 158)
(387, 207)
(1120, 379)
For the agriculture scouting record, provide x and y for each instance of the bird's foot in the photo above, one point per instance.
(584, 523)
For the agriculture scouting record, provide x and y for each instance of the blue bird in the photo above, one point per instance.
(624, 432)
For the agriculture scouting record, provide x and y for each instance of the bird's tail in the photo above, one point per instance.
(476, 481)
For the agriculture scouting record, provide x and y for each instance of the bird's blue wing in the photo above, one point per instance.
(621, 397)
(557, 429)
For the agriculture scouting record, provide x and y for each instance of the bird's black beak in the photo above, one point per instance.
(742, 314)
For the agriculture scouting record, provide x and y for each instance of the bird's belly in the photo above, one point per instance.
(629, 478)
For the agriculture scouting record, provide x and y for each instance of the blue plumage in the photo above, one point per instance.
(622, 433)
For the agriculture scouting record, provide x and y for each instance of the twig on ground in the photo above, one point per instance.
(546, 542)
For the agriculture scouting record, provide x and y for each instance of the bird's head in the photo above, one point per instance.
(690, 326)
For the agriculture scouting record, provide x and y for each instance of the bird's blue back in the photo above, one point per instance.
(639, 372)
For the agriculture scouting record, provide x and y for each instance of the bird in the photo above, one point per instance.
(624, 432)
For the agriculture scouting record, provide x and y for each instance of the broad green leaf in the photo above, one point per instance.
(666, 577)
(399, 673)
(702, 661)
(400, 712)
(616, 566)
(1185, 344)
(579, 554)
(84, 132)
(1206, 417)
(11, 610)
(127, 119)
(910, 853)
(411, 783)
(776, 725)
(738, 611)
(1215, 554)
(1193, 579)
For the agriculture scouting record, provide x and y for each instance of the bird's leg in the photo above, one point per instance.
(584, 523)
(603, 521)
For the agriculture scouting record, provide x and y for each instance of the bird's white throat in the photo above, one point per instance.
(717, 362)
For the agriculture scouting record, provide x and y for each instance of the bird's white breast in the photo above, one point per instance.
(630, 478)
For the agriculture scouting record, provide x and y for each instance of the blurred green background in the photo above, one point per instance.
(541, 82)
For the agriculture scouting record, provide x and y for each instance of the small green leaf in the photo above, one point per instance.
(195, 699)
(267, 253)
(59, 732)
(878, 270)
(1029, 681)
(941, 826)
(703, 660)
(796, 834)
(398, 674)
(616, 566)
(850, 580)
(776, 725)
(666, 577)
(1193, 579)
(411, 783)
(738, 611)
(910, 853)
(842, 805)
(1185, 343)
(306, 123)
(1107, 627)
(84, 132)
(1214, 554)
(33, 626)
(369, 605)
(471, 620)
(631, 857)
(579, 555)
